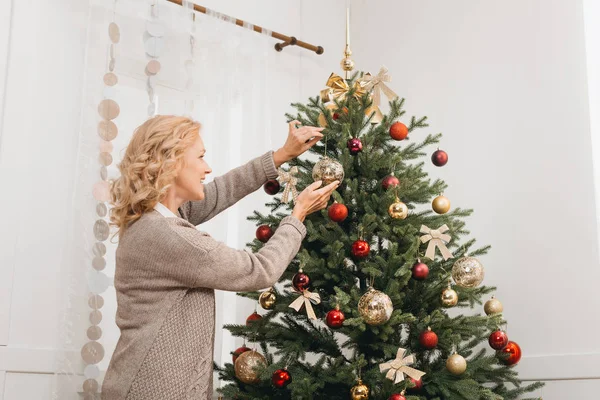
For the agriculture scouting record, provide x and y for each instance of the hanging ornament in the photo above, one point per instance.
(498, 340)
(354, 145)
(467, 272)
(388, 181)
(247, 364)
(493, 306)
(281, 378)
(360, 249)
(289, 179)
(360, 391)
(439, 158)
(399, 366)
(449, 296)
(301, 281)
(337, 212)
(264, 233)
(436, 238)
(397, 396)
(375, 307)
(441, 204)
(272, 187)
(418, 385)
(420, 271)
(398, 210)
(510, 354)
(428, 339)
(267, 299)
(252, 318)
(456, 364)
(328, 170)
(238, 352)
(398, 131)
(335, 318)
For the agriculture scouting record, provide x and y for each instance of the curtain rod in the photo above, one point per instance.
(287, 40)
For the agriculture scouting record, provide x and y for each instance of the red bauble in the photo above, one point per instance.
(337, 212)
(355, 146)
(272, 187)
(239, 351)
(498, 340)
(439, 158)
(418, 385)
(281, 378)
(360, 249)
(264, 233)
(398, 131)
(420, 271)
(335, 318)
(388, 181)
(396, 396)
(510, 354)
(253, 317)
(301, 281)
(428, 339)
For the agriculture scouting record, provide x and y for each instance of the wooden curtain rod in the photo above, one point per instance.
(287, 40)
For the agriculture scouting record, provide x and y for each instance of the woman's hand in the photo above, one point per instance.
(313, 199)
(298, 141)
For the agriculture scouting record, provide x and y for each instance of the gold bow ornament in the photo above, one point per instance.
(436, 238)
(305, 299)
(289, 179)
(377, 85)
(337, 89)
(399, 366)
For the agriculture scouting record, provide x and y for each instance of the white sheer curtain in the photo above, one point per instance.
(230, 95)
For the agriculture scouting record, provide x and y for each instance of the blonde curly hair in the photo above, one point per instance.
(149, 166)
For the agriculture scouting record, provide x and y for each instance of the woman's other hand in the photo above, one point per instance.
(313, 199)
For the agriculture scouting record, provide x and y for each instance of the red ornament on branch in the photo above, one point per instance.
(360, 249)
(281, 378)
(498, 340)
(272, 187)
(252, 318)
(355, 146)
(428, 339)
(335, 318)
(239, 351)
(264, 233)
(398, 131)
(337, 212)
(301, 281)
(510, 354)
(420, 271)
(388, 181)
(439, 158)
(397, 396)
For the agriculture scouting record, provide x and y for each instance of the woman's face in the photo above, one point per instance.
(194, 169)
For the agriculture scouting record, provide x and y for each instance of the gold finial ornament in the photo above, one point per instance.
(347, 63)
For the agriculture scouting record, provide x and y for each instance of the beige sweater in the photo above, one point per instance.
(166, 273)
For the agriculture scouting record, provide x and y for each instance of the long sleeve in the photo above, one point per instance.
(226, 190)
(205, 262)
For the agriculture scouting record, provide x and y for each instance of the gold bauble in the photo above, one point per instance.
(375, 307)
(267, 299)
(493, 306)
(449, 297)
(441, 205)
(347, 64)
(328, 170)
(360, 391)
(456, 364)
(398, 209)
(467, 272)
(246, 365)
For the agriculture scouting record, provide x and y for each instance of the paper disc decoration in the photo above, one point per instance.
(101, 191)
(95, 317)
(101, 210)
(99, 249)
(154, 46)
(99, 263)
(105, 159)
(96, 302)
(92, 352)
(107, 130)
(94, 333)
(114, 33)
(153, 68)
(110, 79)
(101, 230)
(109, 109)
(90, 386)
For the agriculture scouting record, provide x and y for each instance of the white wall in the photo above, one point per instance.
(505, 82)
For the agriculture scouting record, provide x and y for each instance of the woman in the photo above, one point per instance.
(167, 270)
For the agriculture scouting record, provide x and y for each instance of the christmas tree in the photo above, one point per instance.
(363, 310)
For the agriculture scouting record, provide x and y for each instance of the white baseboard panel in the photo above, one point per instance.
(40, 361)
(560, 367)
